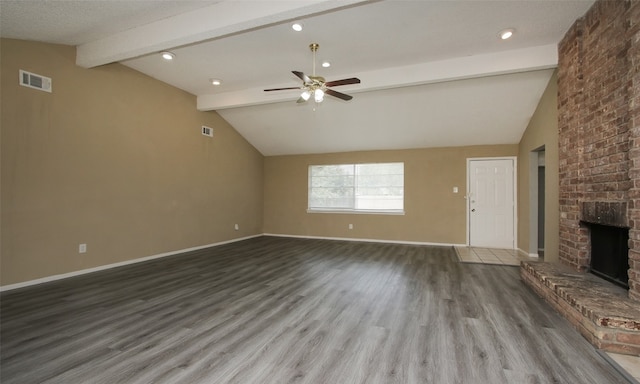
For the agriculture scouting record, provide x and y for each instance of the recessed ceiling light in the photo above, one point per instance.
(506, 33)
(297, 27)
(326, 64)
(215, 81)
(167, 55)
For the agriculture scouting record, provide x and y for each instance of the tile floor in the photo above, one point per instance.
(631, 364)
(492, 256)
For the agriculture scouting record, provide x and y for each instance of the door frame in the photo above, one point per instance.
(515, 195)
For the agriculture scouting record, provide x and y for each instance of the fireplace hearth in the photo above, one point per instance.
(601, 311)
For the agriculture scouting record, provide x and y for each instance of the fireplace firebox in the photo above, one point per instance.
(610, 253)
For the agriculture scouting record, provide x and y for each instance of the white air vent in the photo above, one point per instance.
(207, 131)
(32, 80)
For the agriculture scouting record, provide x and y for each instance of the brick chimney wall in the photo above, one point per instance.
(633, 36)
(599, 127)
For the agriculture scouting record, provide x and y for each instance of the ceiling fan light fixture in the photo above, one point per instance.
(167, 55)
(317, 85)
(507, 33)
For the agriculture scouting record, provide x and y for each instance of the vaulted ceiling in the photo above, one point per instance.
(433, 73)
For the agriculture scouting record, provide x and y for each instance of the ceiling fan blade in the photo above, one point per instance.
(302, 76)
(339, 95)
(353, 80)
(280, 89)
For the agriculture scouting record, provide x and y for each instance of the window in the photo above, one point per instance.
(357, 187)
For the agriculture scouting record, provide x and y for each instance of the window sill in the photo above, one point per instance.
(356, 212)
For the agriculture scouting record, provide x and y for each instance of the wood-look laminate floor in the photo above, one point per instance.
(278, 310)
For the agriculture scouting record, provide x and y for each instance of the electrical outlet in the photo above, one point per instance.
(455, 189)
(350, 226)
(237, 227)
(82, 248)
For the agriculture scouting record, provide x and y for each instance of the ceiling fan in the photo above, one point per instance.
(317, 85)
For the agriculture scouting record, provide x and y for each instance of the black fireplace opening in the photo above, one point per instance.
(610, 253)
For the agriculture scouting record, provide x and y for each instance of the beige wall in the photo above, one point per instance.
(542, 131)
(114, 159)
(434, 214)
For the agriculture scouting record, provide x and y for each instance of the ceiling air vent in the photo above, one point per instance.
(207, 131)
(32, 80)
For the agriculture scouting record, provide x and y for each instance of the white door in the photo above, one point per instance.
(491, 203)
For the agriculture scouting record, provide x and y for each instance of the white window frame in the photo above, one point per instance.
(353, 210)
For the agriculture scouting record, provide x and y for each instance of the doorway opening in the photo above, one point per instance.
(537, 191)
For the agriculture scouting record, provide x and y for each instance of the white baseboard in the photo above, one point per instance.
(114, 265)
(366, 240)
(160, 255)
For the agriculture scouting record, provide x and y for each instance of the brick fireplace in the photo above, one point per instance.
(599, 169)
(599, 132)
